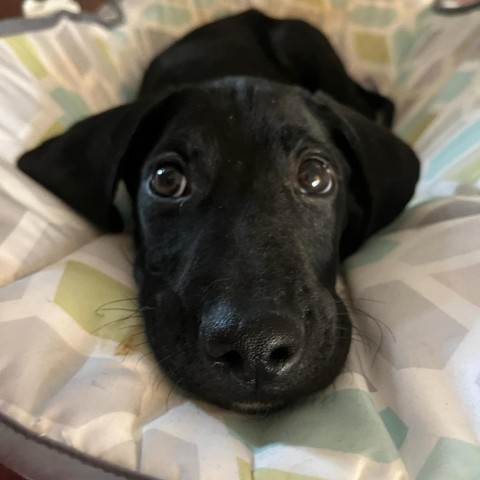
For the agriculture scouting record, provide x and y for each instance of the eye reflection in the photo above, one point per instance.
(315, 176)
(168, 181)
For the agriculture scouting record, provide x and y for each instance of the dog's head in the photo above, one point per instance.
(247, 194)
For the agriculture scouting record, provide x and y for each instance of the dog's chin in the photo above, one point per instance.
(264, 401)
(256, 408)
(249, 400)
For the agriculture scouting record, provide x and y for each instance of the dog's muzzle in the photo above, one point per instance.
(254, 351)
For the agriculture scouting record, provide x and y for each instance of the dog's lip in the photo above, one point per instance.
(255, 407)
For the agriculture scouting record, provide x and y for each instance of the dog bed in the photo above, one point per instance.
(80, 394)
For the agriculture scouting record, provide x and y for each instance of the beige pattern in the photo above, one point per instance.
(74, 366)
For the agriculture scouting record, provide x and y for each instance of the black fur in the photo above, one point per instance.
(238, 275)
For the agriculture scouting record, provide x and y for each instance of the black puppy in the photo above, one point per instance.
(254, 167)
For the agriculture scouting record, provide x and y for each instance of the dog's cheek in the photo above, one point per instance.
(160, 308)
(171, 329)
(328, 336)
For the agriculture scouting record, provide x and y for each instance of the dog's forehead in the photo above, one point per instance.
(246, 118)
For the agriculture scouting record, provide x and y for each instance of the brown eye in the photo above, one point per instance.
(315, 177)
(168, 181)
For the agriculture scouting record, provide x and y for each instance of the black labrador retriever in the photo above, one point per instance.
(255, 165)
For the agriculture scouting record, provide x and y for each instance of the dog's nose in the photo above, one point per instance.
(253, 351)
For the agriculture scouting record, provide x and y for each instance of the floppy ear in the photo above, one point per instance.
(384, 171)
(309, 59)
(83, 165)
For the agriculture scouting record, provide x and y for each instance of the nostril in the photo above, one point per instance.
(280, 355)
(231, 359)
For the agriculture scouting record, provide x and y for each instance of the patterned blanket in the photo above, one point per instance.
(75, 371)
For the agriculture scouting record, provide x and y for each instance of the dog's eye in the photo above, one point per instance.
(315, 176)
(168, 181)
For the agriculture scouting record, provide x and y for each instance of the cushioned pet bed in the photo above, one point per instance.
(80, 395)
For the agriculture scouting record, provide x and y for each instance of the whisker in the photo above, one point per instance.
(115, 309)
(111, 323)
(126, 299)
(218, 280)
(368, 341)
(168, 397)
(142, 357)
(113, 302)
(134, 325)
(379, 324)
(369, 300)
